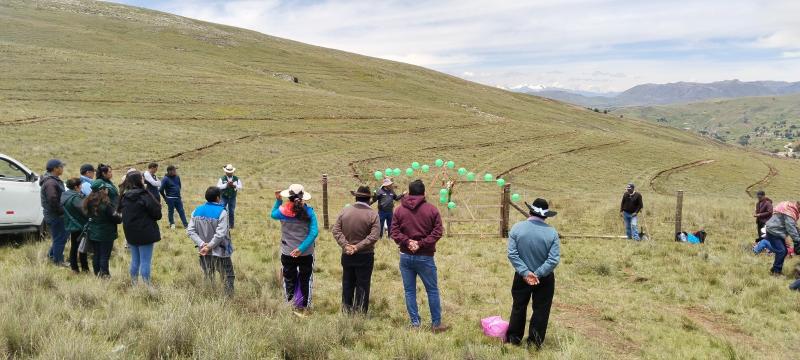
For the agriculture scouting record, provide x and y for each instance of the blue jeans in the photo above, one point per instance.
(779, 248)
(174, 204)
(631, 226)
(230, 205)
(385, 216)
(60, 236)
(795, 285)
(141, 261)
(763, 244)
(425, 267)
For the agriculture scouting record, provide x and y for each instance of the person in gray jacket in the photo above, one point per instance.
(208, 229)
(385, 197)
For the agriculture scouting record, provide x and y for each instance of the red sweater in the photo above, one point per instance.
(417, 220)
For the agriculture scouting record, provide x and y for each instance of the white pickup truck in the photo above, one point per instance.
(20, 202)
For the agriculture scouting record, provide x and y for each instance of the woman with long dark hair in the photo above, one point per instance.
(104, 174)
(140, 211)
(103, 220)
(298, 232)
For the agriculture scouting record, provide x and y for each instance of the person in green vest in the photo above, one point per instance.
(230, 185)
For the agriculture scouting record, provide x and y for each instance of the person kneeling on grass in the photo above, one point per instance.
(534, 251)
(140, 213)
(298, 233)
(783, 223)
(208, 228)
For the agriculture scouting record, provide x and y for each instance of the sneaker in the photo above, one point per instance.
(172, 226)
(438, 329)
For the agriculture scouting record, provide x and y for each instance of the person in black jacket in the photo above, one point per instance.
(52, 188)
(629, 209)
(140, 213)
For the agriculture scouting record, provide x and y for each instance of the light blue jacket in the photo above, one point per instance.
(533, 246)
(86, 185)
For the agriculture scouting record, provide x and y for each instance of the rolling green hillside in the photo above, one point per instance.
(97, 82)
(767, 123)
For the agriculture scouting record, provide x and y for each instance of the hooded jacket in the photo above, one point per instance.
(50, 195)
(140, 211)
(416, 219)
(784, 221)
(103, 223)
(74, 217)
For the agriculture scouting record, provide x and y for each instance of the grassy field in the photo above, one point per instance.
(97, 82)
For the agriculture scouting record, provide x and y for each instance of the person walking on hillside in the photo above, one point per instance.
(87, 176)
(299, 231)
(104, 174)
(783, 223)
(385, 197)
(151, 181)
(763, 212)
(103, 221)
(208, 229)
(356, 232)
(51, 189)
(629, 209)
(230, 185)
(534, 251)
(75, 223)
(171, 191)
(416, 229)
(140, 213)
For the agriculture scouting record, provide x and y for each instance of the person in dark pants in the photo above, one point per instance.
(208, 229)
(385, 197)
(51, 189)
(763, 212)
(75, 220)
(299, 231)
(103, 221)
(152, 182)
(230, 185)
(356, 231)
(171, 191)
(783, 223)
(534, 251)
(140, 212)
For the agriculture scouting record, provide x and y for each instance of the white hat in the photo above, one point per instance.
(130, 170)
(229, 169)
(296, 189)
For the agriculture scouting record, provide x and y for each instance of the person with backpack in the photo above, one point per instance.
(51, 189)
(152, 183)
(385, 197)
(103, 221)
(299, 231)
(140, 213)
(75, 223)
(208, 229)
(171, 191)
(230, 185)
(783, 223)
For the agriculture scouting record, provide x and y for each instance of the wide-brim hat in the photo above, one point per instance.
(363, 191)
(295, 189)
(387, 182)
(540, 207)
(229, 169)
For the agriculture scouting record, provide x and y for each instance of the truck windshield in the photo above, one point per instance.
(11, 172)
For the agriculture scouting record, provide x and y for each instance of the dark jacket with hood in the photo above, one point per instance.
(417, 220)
(103, 223)
(140, 211)
(74, 217)
(50, 195)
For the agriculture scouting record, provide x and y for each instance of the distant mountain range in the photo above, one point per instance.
(664, 94)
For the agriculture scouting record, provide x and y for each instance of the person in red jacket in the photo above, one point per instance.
(416, 228)
(763, 212)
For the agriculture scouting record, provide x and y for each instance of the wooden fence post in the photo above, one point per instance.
(325, 201)
(678, 211)
(505, 200)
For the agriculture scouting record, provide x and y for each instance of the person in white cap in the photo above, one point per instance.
(299, 231)
(230, 185)
(385, 197)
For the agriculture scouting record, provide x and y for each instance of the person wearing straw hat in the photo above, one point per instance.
(385, 197)
(534, 251)
(356, 232)
(230, 185)
(299, 231)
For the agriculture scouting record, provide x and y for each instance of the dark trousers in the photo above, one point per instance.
(542, 296)
(297, 272)
(780, 252)
(59, 233)
(176, 204)
(759, 224)
(386, 217)
(224, 265)
(101, 257)
(356, 279)
(74, 256)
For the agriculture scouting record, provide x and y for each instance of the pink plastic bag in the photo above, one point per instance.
(495, 326)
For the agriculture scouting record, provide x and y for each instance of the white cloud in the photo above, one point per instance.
(791, 54)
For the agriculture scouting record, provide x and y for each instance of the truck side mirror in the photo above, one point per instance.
(31, 177)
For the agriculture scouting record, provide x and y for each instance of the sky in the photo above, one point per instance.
(587, 45)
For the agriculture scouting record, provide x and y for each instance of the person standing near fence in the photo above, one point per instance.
(171, 191)
(208, 229)
(230, 185)
(75, 222)
(51, 189)
(152, 183)
(356, 232)
(299, 231)
(140, 213)
(385, 197)
(534, 251)
(629, 209)
(763, 212)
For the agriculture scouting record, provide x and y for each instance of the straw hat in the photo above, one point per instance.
(296, 189)
(229, 169)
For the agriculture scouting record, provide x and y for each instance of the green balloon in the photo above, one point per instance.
(462, 171)
(378, 175)
(487, 177)
(409, 171)
(426, 168)
(471, 176)
(451, 205)
(415, 165)
(442, 192)
(515, 197)
(451, 164)
(396, 172)
(501, 182)
(439, 162)
(388, 172)
(443, 199)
